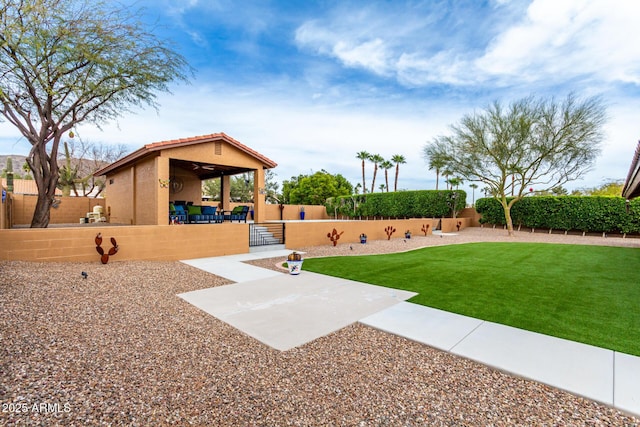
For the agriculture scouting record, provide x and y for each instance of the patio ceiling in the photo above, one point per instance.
(207, 170)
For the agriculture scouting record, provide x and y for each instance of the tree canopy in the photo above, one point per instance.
(315, 189)
(530, 144)
(64, 62)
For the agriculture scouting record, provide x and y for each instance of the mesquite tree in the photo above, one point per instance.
(531, 144)
(63, 62)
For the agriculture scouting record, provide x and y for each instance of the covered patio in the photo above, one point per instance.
(141, 185)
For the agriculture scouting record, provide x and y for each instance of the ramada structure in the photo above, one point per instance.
(140, 186)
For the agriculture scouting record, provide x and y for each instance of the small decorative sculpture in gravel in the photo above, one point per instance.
(389, 230)
(104, 257)
(334, 236)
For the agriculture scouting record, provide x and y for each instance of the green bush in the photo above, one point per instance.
(402, 204)
(584, 213)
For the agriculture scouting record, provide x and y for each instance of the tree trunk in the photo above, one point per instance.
(373, 181)
(507, 217)
(42, 212)
(45, 173)
(395, 182)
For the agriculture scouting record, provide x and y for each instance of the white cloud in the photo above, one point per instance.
(561, 40)
(364, 38)
(371, 55)
(443, 67)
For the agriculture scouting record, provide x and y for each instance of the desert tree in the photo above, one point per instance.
(531, 143)
(82, 158)
(65, 62)
(398, 159)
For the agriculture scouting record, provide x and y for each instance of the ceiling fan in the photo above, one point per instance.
(197, 166)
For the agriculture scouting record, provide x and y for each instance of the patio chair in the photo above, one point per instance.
(239, 213)
(177, 213)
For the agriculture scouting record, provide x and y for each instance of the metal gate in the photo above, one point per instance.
(264, 234)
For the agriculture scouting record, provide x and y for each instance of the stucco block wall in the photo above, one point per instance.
(307, 233)
(135, 242)
(146, 192)
(191, 190)
(69, 211)
(222, 154)
(292, 212)
(473, 215)
(119, 195)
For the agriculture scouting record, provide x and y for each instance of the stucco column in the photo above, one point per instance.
(225, 183)
(259, 198)
(162, 190)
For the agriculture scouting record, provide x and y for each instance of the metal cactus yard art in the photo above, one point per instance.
(104, 257)
(389, 230)
(334, 236)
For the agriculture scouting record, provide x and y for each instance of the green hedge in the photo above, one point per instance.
(584, 213)
(401, 204)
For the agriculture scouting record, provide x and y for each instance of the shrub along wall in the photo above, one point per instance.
(583, 213)
(400, 204)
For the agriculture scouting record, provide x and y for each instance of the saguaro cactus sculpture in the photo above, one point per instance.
(104, 257)
(334, 236)
(389, 230)
(425, 229)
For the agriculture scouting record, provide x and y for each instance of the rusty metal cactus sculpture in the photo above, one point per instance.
(334, 236)
(425, 229)
(389, 230)
(104, 257)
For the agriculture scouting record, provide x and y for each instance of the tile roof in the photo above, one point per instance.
(161, 145)
(631, 188)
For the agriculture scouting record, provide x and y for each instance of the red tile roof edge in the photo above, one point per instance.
(160, 145)
(631, 188)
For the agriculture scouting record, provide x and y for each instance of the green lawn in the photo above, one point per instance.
(589, 294)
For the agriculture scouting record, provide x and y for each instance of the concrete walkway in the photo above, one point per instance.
(284, 311)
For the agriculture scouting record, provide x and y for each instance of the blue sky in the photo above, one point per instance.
(311, 83)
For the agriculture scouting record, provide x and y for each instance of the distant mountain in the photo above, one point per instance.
(17, 161)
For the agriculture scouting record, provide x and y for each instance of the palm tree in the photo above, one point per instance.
(435, 161)
(398, 159)
(386, 165)
(446, 173)
(473, 186)
(457, 181)
(376, 159)
(363, 155)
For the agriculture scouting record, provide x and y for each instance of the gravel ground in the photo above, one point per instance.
(120, 348)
